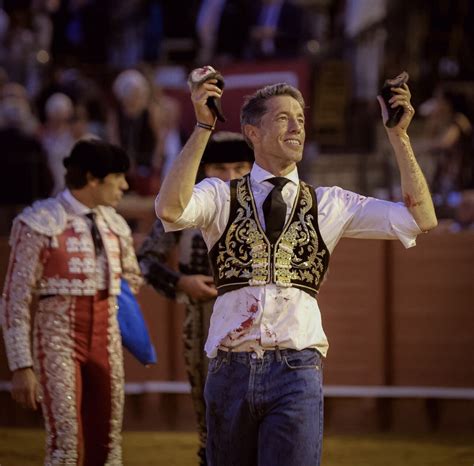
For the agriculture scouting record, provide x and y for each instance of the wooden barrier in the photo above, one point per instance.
(394, 318)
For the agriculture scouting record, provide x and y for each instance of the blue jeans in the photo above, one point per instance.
(265, 412)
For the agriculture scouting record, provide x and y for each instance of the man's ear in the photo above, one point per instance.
(252, 133)
(92, 180)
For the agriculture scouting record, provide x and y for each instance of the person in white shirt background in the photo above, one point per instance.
(266, 341)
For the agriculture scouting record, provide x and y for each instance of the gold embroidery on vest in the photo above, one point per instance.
(298, 237)
(252, 265)
(244, 253)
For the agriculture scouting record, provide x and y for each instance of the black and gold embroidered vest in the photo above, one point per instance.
(243, 255)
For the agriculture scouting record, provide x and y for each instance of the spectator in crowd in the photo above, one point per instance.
(81, 32)
(135, 126)
(179, 32)
(448, 136)
(25, 40)
(82, 90)
(56, 135)
(14, 92)
(169, 114)
(279, 30)
(18, 42)
(216, 25)
(462, 214)
(25, 175)
(81, 127)
(128, 21)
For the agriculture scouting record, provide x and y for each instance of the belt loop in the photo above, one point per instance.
(277, 354)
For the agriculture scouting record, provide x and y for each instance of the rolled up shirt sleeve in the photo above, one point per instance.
(370, 218)
(207, 210)
(404, 225)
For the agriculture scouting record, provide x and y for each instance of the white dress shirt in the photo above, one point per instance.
(256, 318)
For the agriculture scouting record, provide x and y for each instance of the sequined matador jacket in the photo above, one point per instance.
(52, 253)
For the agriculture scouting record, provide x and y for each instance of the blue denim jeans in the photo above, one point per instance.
(265, 412)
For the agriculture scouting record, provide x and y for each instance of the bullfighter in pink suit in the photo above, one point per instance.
(70, 253)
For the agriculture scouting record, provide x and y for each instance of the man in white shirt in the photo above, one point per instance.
(270, 236)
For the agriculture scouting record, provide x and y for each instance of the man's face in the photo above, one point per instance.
(227, 171)
(281, 134)
(109, 191)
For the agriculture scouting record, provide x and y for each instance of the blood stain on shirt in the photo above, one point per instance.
(271, 334)
(238, 332)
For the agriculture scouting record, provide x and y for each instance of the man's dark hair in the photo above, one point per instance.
(255, 105)
(98, 158)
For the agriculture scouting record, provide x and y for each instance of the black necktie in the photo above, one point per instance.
(96, 238)
(274, 209)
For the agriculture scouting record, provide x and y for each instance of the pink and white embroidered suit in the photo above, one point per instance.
(77, 351)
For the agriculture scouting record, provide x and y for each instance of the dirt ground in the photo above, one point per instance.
(19, 447)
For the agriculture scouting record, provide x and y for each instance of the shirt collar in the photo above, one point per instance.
(258, 174)
(77, 207)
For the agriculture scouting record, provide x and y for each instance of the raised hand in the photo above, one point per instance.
(199, 96)
(402, 98)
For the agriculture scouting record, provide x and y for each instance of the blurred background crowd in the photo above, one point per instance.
(117, 70)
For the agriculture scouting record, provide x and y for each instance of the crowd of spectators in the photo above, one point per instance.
(122, 33)
(71, 69)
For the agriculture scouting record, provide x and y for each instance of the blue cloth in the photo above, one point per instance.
(133, 328)
(265, 412)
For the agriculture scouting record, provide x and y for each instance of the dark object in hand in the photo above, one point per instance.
(395, 113)
(201, 75)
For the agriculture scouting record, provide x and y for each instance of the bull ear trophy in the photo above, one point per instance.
(201, 75)
(394, 114)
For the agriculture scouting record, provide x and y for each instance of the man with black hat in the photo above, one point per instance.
(227, 156)
(70, 253)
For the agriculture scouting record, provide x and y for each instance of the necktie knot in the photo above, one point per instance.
(278, 181)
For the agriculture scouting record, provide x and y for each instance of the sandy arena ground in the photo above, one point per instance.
(19, 447)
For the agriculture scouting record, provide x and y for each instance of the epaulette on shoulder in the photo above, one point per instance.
(115, 221)
(47, 217)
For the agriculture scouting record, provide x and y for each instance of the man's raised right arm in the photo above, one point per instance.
(177, 187)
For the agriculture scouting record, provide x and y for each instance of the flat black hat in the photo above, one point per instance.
(98, 158)
(227, 147)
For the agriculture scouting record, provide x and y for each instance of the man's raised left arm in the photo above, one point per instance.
(416, 194)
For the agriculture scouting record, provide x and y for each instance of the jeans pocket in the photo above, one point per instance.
(303, 360)
(215, 364)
